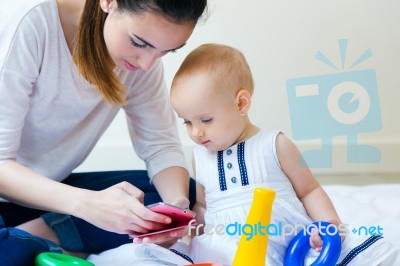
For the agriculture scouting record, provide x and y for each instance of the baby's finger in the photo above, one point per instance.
(315, 240)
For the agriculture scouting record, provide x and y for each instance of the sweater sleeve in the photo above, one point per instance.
(19, 68)
(152, 123)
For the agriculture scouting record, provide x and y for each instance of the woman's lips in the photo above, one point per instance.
(130, 67)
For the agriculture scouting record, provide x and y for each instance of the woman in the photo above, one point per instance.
(67, 67)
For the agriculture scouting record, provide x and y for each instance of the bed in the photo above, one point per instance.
(365, 209)
(369, 206)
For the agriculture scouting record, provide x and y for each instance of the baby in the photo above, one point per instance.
(212, 92)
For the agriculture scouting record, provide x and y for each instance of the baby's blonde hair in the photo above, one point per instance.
(225, 65)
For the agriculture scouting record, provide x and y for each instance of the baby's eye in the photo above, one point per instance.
(186, 122)
(207, 121)
(137, 44)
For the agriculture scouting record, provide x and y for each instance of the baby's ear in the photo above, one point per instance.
(243, 99)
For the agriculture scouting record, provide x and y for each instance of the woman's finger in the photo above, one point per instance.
(132, 190)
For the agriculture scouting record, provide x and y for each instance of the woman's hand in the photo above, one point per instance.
(120, 209)
(170, 237)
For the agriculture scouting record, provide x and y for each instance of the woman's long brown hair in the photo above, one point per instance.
(92, 58)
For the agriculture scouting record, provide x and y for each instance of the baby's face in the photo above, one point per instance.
(212, 118)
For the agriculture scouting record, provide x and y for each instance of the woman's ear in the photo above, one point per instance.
(243, 100)
(105, 5)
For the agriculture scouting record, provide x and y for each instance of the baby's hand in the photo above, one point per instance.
(316, 240)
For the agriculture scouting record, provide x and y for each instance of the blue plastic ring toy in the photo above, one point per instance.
(299, 246)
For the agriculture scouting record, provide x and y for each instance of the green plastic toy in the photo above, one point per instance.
(58, 259)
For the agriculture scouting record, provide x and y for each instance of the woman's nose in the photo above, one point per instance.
(147, 60)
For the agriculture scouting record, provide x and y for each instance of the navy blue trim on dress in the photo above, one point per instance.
(221, 171)
(242, 165)
(186, 257)
(357, 250)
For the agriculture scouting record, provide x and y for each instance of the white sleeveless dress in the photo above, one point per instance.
(229, 178)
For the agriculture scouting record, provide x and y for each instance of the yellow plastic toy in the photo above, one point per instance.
(253, 252)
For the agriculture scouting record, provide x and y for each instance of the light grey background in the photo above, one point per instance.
(280, 39)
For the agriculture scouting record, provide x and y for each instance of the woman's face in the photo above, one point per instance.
(135, 41)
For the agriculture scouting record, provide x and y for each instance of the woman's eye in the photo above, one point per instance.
(136, 44)
(207, 121)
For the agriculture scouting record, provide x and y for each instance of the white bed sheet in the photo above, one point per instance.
(369, 205)
(358, 206)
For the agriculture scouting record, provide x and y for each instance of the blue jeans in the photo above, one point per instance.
(18, 247)
(78, 235)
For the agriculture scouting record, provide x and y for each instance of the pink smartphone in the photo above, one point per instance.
(180, 217)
